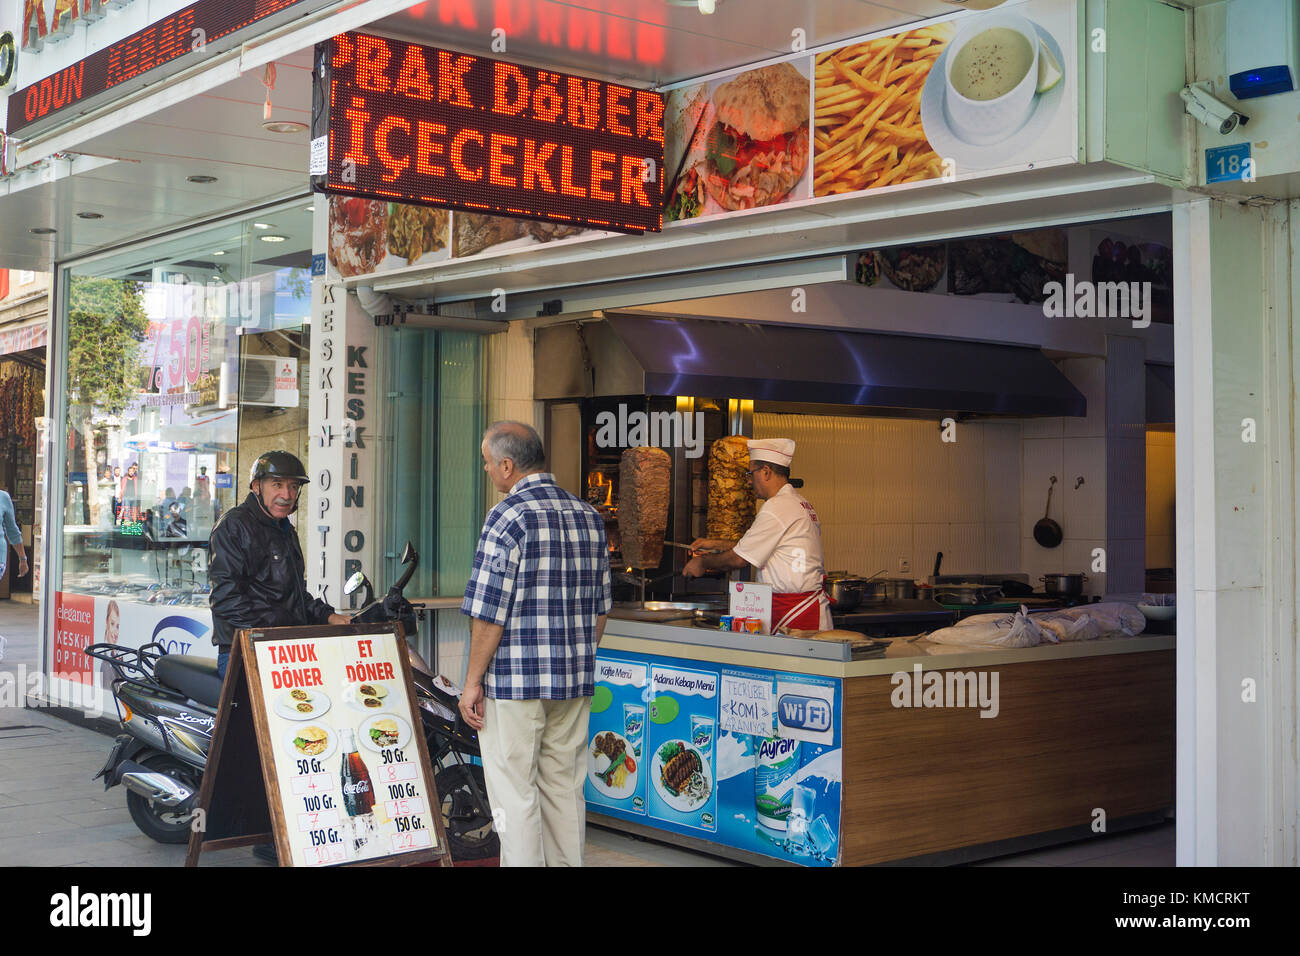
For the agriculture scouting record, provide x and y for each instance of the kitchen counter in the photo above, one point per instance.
(1049, 734)
(834, 659)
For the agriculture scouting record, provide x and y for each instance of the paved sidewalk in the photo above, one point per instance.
(53, 813)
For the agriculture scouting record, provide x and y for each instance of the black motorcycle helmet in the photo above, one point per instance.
(277, 464)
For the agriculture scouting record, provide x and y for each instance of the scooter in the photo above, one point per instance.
(167, 706)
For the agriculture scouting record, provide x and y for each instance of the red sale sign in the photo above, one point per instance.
(74, 630)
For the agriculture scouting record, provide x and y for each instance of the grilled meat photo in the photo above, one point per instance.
(679, 770)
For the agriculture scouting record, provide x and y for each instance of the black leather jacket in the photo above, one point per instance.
(257, 575)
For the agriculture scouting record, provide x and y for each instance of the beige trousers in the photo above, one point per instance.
(534, 762)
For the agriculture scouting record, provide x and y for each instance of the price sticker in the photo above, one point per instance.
(404, 807)
(323, 855)
(313, 783)
(395, 772)
(411, 840)
(317, 819)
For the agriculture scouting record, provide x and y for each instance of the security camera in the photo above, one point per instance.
(1208, 111)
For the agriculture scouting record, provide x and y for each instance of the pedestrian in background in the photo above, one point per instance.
(538, 598)
(13, 535)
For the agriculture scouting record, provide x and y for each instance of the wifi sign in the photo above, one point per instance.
(804, 713)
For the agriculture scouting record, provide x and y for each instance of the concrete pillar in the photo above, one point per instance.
(1235, 413)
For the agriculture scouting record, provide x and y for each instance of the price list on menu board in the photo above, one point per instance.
(350, 768)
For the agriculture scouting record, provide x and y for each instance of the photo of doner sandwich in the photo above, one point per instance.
(758, 148)
(384, 733)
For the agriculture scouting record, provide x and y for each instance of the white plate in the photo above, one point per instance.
(680, 801)
(945, 141)
(629, 785)
(287, 707)
(331, 743)
(403, 732)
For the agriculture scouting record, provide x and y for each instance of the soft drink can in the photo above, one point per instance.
(724, 624)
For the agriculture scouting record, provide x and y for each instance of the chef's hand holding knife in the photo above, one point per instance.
(711, 555)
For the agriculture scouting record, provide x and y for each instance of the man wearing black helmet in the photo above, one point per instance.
(255, 565)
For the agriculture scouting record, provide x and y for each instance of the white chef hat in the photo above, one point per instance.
(776, 451)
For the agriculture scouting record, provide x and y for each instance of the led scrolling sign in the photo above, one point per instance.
(193, 29)
(416, 124)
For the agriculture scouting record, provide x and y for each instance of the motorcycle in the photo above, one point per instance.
(453, 744)
(167, 705)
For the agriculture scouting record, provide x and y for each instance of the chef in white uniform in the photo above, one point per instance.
(784, 543)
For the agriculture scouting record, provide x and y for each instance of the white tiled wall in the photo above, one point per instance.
(1069, 449)
(888, 488)
(1126, 464)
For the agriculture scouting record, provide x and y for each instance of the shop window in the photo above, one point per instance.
(433, 474)
(183, 363)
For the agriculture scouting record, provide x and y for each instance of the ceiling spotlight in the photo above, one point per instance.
(261, 225)
(706, 6)
(201, 180)
(284, 126)
(273, 238)
(219, 252)
(89, 215)
(43, 231)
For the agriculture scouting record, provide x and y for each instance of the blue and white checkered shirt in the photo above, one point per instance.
(542, 571)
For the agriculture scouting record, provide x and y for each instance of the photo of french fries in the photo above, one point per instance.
(867, 112)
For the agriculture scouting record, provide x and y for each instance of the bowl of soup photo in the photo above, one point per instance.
(990, 74)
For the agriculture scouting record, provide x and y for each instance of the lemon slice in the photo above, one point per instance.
(1049, 71)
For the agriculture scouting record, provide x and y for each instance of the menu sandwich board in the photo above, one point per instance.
(345, 773)
(400, 122)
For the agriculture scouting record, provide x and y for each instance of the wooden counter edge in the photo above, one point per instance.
(883, 665)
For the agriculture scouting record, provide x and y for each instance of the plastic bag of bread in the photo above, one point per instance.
(1066, 628)
(993, 630)
(731, 495)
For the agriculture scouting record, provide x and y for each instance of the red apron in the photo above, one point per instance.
(798, 609)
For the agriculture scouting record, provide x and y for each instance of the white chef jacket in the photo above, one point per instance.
(785, 544)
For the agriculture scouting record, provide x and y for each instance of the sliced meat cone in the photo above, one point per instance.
(644, 487)
(731, 496)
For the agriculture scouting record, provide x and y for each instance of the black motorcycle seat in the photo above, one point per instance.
(195, 677)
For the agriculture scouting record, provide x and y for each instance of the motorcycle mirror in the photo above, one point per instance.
(354, 582)
(408, 554)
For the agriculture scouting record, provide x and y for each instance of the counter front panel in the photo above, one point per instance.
(739, 756)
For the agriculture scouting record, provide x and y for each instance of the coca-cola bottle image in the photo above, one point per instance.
(358, 796)
(358, 792)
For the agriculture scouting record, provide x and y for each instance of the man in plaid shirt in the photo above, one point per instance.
(537, 597)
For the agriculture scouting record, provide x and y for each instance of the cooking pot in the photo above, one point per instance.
(845, 592)
(899, 589)
(1063, 585)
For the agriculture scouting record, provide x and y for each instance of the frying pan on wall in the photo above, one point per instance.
(1047, 532)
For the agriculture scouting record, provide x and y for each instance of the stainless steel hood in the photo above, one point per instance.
(640, 355)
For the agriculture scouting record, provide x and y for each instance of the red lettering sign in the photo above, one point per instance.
(192, 30)
(434, 127)
(74, 631)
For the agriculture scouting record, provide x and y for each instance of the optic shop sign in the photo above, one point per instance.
(420, 125)
(195, 29)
